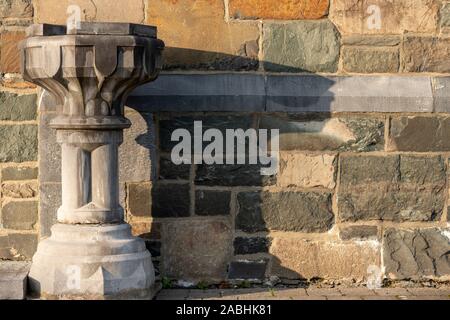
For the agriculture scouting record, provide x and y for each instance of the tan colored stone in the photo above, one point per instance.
(195, 32)
(20, 190)
(55, 11)
(278, 9)
(302, 170)
(146, 229)
(299, 258)
(196, 250)
(352, 16)
(9, 52)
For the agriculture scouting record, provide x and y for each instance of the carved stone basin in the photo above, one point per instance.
(90, 71)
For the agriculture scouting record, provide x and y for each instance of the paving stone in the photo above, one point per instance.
(13, 280)
(286, 211)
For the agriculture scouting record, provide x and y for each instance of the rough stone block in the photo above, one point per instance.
(139, 199)
(358, 233)
(370, 60)
(195, 250)
(146, 229)
(307, 171)
(426, 54)
(16, 9)
(285, 211)
(444, 14)
(49, 151)
(21, 215)
(18, 246)
(18, 143)
(9, 52)
(54, 11)
(295, 258)
(244, 245)
(319, 133)
(170, 200)
(396, 188)
(247, 270)
(19, 190)
(49, 202)
(17, 107)
(13, 280)
(170, 171)
(278, 9)
(353, 17)
(311, 46)
(19, 173)
(416, 254)
(371, 40)
(209, 42)
(420, 134)
(212, 203)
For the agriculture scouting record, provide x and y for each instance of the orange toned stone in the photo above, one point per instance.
(385, 16)
(14, 84)
(278, 9)
(146, 229)
(10, 55)
(196, 33)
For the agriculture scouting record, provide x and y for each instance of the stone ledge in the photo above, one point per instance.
(13, 280)
(246, 92)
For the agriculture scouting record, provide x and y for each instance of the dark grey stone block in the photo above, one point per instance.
(247, 270)
(212, 203)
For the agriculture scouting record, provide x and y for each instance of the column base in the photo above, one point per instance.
(92, 262)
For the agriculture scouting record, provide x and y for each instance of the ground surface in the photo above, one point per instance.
(306, 294)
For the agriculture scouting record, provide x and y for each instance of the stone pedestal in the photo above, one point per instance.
(91, 252)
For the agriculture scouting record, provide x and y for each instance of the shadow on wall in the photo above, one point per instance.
(224, 214)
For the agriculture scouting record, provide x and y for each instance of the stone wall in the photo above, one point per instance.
(363, 178)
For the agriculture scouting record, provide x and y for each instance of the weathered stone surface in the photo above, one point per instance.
(278, 9)
(295, 258)
(247, 270)
(209, 42)
(353, 17)
(170, 171)
(18, 143)
(358, 233)
(16, 9)
(9, 52)
(244, 245)
(220, 122)
(397, 188)
(17, 107)
(49, 202)
(146, 229)
(19, 190)
(13, 280)
(49, 150)
(311, 46)
(286, 211)
(319, 133)
(54, 11)
(212, 203)
(18, 246)
(139, 140)
(426, 54)
(371, 40)
(415, 254)
(196, 250)
(139, 199)
(421, 134)
(307, 171)
(232, 175)
(19, 173)
(170, 200)
(370, 60)
(444, 15)
(20, 215)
